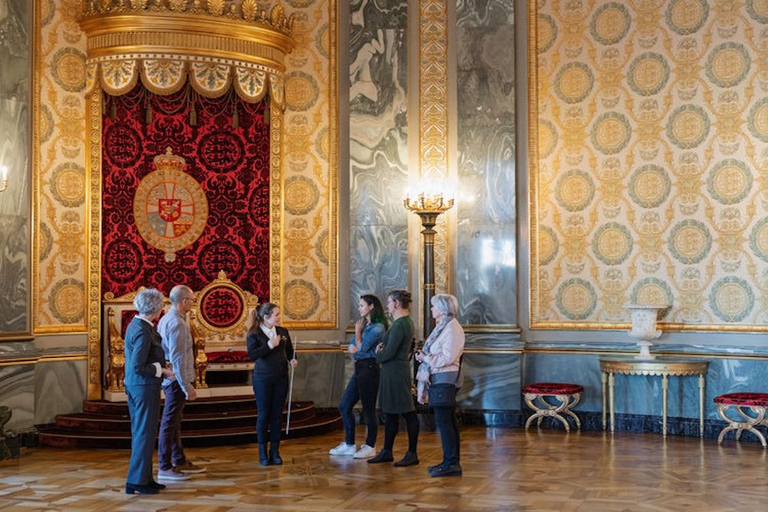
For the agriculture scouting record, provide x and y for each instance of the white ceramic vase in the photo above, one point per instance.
(644, 319)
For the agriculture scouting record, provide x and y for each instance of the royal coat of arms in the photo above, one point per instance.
(170, 207)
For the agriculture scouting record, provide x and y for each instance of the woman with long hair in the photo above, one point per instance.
(440, 364)
(363, 386)
(395, 384)
(271, 350)
(144, 372)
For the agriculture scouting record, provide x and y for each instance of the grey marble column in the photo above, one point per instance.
(378, 149)
(15, 57)
(486, 261)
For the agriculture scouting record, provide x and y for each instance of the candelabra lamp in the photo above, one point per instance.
(4, 184)
(428, 206)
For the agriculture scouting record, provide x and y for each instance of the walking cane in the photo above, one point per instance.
(290, 388)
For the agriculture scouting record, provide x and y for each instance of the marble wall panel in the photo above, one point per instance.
(491, 382)
(17, 391)
(320, 378)
(59, 389)
(379, 262)
(486, 162)
(15, 68)
(377, 148)
(486, 274)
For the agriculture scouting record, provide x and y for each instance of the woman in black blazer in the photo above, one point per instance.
(270, 347)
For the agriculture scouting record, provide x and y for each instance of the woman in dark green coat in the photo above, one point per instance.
(395, 382)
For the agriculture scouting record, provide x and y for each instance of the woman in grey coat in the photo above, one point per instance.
(395, 382)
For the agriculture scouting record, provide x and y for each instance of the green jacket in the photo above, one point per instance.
(395, 382)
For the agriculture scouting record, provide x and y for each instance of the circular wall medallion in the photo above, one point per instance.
(301, 195)
(758, 239)
(546, 33)
(758, 10)
(222, 255)
(575, 190)
(688, 126)
(611, 133)
(576, 299)
(729, 181)
(651, 291)
(321, 247)
(68, 184)
(221, 151)
(548, 245)
(68, 69)
(649, 186)
(170, 207)
(122, 260)
(728, 64)
(757, 120)
(686, 16)
(574, 82)
(610, 23)
(612, 243)
(67, 301)
(648, 74)
(547, 138)
(301, 299)
(690, 241)
(222, 306)
(122, 145)
(732, 299)
(301, 91)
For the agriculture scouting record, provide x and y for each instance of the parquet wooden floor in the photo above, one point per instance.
(503, 470)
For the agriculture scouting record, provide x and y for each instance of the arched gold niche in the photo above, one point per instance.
(170, 42)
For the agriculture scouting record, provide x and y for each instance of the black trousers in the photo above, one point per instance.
(363, 387)
(445, 420)
(270, 395)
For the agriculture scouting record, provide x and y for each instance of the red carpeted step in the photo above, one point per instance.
(216, 422)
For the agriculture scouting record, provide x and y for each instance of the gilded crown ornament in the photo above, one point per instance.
(247, 10)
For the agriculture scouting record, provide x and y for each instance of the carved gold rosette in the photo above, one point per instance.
(215, 45)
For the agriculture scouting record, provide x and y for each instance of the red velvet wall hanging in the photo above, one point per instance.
(226, 154)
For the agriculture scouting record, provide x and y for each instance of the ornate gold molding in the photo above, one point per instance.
(433, 116)
(94, 106)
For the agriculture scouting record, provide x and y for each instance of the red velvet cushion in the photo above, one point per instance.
(234, 356)
(756, 399)
(552, 388)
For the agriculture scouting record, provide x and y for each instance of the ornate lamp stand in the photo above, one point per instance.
(428, 207)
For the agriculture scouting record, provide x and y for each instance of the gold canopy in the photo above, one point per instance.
(212, 43)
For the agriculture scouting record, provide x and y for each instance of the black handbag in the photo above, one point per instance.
(442, 395)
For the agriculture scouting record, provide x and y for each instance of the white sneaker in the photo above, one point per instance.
(365, 452)
(344, 449)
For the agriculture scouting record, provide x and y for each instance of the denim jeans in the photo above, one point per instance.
(363, 387)
(170, 452)
(445, 420)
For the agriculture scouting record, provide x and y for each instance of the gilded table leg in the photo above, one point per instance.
(604, 379)
(701, 405)
(611, 379)
(664, 388)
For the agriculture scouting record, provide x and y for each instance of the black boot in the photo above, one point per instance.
(263, 457)
(410, 459)
(274, 454)
(447, 470)
(383, 456)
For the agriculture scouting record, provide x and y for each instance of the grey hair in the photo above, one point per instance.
(178, 292)
(446, 304)
(148, 302)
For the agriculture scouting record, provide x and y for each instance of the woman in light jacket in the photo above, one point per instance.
(441, 358)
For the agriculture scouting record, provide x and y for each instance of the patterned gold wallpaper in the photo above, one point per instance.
(309, 155)
(59, 262)
(649, 152)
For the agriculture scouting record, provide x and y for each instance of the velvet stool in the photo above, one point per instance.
(568, 396)
(749, 409)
